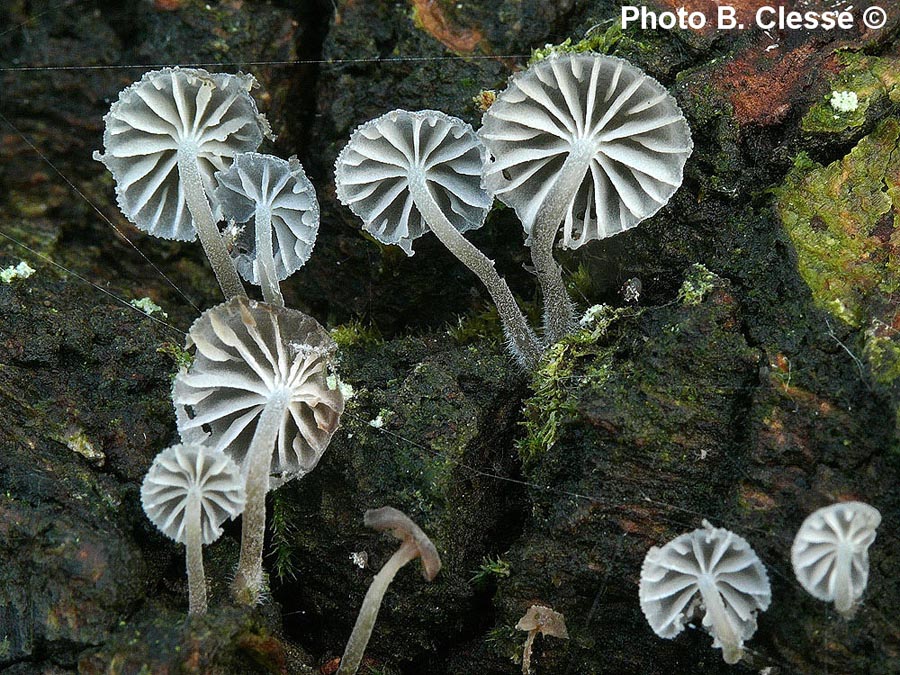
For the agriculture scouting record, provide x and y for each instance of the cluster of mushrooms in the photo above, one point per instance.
(581, 143)
(715, 571)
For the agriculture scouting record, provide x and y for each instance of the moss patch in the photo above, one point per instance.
(870, 78)
(842, 219)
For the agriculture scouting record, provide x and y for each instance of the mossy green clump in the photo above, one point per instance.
(870, 78)
(698, 282)
(842, 219)
(551, 403)
(356, 333)
(609, 41)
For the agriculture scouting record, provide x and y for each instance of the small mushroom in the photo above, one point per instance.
(586, 140)
(165, 137)
(188, 493)
(416, 544)
(406, 173)
(543, 620)
(718, 565)
(257, 390)
(830, 553)
(279, 198)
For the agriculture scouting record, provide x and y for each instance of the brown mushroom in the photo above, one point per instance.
(416, 544)
(543, 620)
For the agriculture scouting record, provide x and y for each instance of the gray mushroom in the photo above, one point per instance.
(713, 569)
(281, 202)
(830, 553)
(257, 390)
(406, 173)
(165, 136)
(586, 140)
(189, 491)
(416, 544)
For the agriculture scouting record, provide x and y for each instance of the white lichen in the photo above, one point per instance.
(21, 271)
(844, 101)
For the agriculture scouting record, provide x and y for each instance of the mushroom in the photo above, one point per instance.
(588, 140)
(279, 198)
(405, 173)
(188, 493)
(830, 553)
(724, 570)
(416, 544)
(165, 136)
(257, 390)
(543, 620)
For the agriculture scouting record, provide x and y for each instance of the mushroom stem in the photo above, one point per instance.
(526, 653)
(559, 312)
(368, 613)
(248, 581)
(522, 339)
(265, 256)
(205, 224)
(194, 555)
(719, 622)
(843, 592)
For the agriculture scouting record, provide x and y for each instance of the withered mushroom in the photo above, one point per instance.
(416, 544)
(543, 620)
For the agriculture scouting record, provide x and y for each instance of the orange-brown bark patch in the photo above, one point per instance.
(430, 17)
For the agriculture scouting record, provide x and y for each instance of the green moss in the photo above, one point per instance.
(842, 221)
(550, 403)
(182, 357)
(490, 568)
(870, 78)
(610, 41)
(698, 282)
(356, 333)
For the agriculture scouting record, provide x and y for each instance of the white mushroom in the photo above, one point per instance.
(188, 493)
(406, 173)
(165, 137)
(830, 553)
(257, 390)
(588, 140)
(278, 197)
(710, 569)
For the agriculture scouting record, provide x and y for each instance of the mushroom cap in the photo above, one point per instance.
(246, 352)
(183, 470)
(632, 128)
(544, 620)
(846, 529)
(389, 519)
(281, 187)
(373, 171)
(211, 114)
(670, 578)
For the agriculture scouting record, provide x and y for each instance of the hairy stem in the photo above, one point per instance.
(265, 257)
(559, 312)
(522, 339)
(205, 224)
(248, 582)
(368, 613)
(193, 545)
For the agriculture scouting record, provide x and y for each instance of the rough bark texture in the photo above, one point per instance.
(756, 378)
